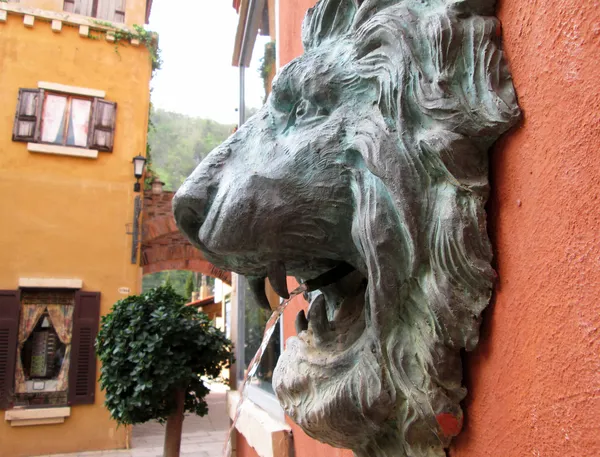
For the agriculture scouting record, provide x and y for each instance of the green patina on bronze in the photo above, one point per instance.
(372, 151)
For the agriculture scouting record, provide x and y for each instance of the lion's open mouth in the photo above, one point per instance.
(337, 297)
(335, 317)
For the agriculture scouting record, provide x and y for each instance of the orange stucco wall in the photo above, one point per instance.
(65, 217)
(534, 382)
(243, 449)
(291, 15)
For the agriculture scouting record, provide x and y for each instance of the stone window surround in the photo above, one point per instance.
(36, 416)
(20, 417)
(51, 283)
(60, 149)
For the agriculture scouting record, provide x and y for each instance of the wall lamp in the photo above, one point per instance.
(139, 162)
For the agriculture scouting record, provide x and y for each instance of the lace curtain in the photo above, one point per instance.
(30, 315)
(61, 317)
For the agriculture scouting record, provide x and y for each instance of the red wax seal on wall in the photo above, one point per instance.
(450, 424)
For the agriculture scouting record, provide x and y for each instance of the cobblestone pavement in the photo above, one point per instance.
(202, 436)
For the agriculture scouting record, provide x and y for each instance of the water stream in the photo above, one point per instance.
(254, 363)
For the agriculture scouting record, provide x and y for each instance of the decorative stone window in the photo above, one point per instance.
(64, 118)
(44, 348)
(110, 10)
(47, 353)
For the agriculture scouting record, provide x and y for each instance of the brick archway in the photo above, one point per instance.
(164, 248)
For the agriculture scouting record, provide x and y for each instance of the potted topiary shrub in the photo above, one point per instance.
(154, 351)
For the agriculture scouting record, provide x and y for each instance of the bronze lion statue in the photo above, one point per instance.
(371, 152)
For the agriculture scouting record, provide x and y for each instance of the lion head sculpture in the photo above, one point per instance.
(371, 151)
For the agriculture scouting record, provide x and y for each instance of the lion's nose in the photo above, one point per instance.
(191, 204)
(188, 210)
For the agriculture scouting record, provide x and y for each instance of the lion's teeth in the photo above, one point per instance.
(257, 287)
(301, 322)
(276, 273)
(317, 316)
(351, 306)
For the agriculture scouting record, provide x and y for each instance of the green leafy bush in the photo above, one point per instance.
(151, 345)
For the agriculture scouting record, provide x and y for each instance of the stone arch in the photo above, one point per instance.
(163, 246)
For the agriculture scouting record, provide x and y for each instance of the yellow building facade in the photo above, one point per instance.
(74, 101)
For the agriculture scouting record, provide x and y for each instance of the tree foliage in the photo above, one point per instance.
(150, 345)
(177, 279)
(180, 142)
(189, 285)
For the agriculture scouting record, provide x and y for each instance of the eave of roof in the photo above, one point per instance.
(148, 10)
(247, 29)
(204, 302)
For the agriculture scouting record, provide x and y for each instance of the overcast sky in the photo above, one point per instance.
(197, 78)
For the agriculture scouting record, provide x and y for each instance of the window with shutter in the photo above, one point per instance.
(9, 326)
(83, 7)
(82, 374)
(64, 119)
(119, 11)
(103, 125)
(28, 116)
(69, 6)
(110, 10)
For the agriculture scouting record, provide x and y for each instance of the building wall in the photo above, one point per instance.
(135, 10)
(291, 15)
(534, 381)
(66, 217)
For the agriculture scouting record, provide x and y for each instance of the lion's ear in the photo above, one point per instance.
(328, 19)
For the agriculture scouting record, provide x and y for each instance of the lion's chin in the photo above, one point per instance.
(343, 403)
(330, 378)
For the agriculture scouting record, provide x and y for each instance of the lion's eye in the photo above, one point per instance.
(282, 100)
(301, 109)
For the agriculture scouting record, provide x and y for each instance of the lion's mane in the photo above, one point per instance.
(420, 186)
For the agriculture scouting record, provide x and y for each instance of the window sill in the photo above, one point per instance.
(36, 416)
(62, 150)
(268, 436)
(51, 283)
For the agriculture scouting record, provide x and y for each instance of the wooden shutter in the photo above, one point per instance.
(9, 328)
(69, 5)
(83, 7)
(119, 11)
(111, 10)
(82, 372)
(29, 115)
(102, 131)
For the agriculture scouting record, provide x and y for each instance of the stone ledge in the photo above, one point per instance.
(57, 19)
(62, 150)
(85, 91)
(67, 18)
(268, 436)
(36, 416)
(51, 283)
